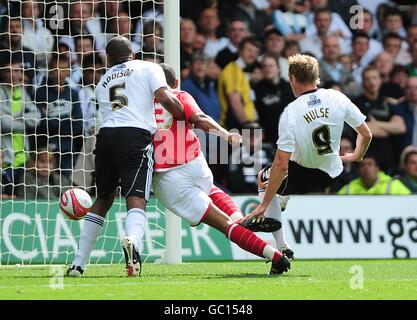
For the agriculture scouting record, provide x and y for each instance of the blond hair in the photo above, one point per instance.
(304, 68)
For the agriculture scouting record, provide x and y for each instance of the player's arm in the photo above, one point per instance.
(277, 174)
(170, 103)
(235, 100)
(396, 125)
(363, 141)
(208, 124)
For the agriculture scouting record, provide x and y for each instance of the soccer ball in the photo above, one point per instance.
(75, 203)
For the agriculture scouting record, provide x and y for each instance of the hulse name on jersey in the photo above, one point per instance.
(316, 113)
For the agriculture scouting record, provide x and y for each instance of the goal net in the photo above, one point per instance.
(52, 54)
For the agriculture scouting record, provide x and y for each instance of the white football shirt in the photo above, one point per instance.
(311, 128)
(125, 94)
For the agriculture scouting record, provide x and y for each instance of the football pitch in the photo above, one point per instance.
(324, 279)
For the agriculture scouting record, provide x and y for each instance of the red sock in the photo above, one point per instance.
(250, 242)
(225, 203)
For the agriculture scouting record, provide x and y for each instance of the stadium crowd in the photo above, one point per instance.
(233, 62)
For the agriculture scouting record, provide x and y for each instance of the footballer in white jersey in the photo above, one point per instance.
(310, 128)
(124, 152)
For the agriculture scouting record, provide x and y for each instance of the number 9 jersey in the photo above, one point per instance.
(125, 94)
(311, 128)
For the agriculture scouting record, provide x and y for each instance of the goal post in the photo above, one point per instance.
(172, 57)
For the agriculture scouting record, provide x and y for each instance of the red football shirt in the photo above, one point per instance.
(174, 142)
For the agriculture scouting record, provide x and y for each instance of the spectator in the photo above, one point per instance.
(257, 20)
(12, 48)
(384, 63)
(291, 48)
(122, 26)
(368, 27)
(399, 75)
(237, 29)
(333, 85)
(332, 70)
(342, 8)
(313, 43)
(245, 162)
(36, 36)
(337, 26)
(360, 46)
(19, 117)
(289, 22)
(6, 182)
(201, 87)
(83, 23)
(61, 125)
(350, 169)
(346, 61)
(381, 120)
(187, 38)
(154, 14)
(408, 166)
(273, 94)
(373, 181)
(199, 42)
(274, 45)
(234, 90)
(411, 34)
(393, 23)
(411, 38)
(208, 24)
(152, 40)
(407, 111)
(392, 44)
(83, 47)
(93, 67)
(41, 179)
(83, 174)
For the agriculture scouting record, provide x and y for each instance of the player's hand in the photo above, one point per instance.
(259, 211)
(234, 138)
(350, 157)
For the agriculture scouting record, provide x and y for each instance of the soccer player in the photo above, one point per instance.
(183, 181)
(307, 159)
(124, 150)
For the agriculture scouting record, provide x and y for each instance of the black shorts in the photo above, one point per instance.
(298, 180)
(124, 157)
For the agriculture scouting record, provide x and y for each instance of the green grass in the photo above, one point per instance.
(383, 279)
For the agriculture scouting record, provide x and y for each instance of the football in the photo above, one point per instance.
(75, 203)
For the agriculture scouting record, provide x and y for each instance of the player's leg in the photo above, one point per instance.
(135, 166)
(135, 231)
(246, 239)
(190, 200)
(226, 204)
(93, 223)
(106, 180)
(274, 210)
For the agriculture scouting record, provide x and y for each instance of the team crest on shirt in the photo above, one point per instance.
(314, 100)
(120, 67)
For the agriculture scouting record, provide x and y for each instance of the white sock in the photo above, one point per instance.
(91, 230)
(274, 211)
(135, 226)
(269, 252)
